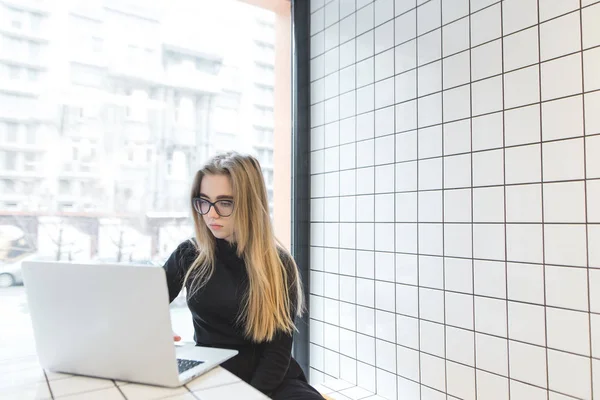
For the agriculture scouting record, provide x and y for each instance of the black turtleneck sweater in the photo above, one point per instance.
(215, 309)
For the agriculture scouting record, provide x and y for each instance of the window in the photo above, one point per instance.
(32, 75)
(35, 20)
(34, 51)
(12, 130)
(30, 162)
(97, 44)
(14, 72)
(31, 134)
(16, 18)
(9, 159)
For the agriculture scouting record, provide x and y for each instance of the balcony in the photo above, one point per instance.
(39, 6)
(192, 80)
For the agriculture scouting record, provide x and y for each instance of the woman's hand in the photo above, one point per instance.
(176, 337)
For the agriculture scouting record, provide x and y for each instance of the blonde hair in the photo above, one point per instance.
(274, 295)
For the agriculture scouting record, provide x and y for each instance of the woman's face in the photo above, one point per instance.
(217, 189)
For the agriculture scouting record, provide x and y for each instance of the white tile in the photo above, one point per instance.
(30, 391)
(521, 49)
(383, 183)
(593, 201)
(317, 307)
(454, 9)
(365, 99)
(347, 7)
(565, 244)
(430, 110)
(317, 91)
(432, 338)
(461, 381)
(459, 310)
(365, 46)
(406, 116)
(365, 156)
(430, 47)
(347, 105)
(407, 363)
(488, 168)
(486, 60)
(428, 17)
(430, 78)
(527, 364)
(347, 130)
(486, 25)
(522, 87)
(487, 96)
(457, 240)
(384, 65)
(384, 36)
(384, 11)
(456, 69)
(332, 110)
(331, 259)
(430, 206)
(365, 19)
(331, 286)
(332, 12)
(384, 208)
(405, 56)
(554, 8)
(569, 374)
(563, 118)
(433, 372)
(385, 355)
(384, 296)
(490, 316)
(431, 238)
(460, 345)
(406, 207)
(526, 323)
(457, 137)
(356, 392)
(406, 176)
(317, 283)
(525, 282)
(331, 337)
(78, 384)
(487, 131)
(405, 27)
(458, 275)
(566, 287)
(402, 6)
(561, 77)
(365, 292)
(563, 160)
(384, 121)
(407, 331)
(492, 354)
(523, 164)
(316, 332)
(347, 370)
(490, 278)
(348, 342)
(406, 238)
(431, 305)
(365, 126)
(592, 145)
(336, 384)
(430, 394)
(560, 36)
(522, 125)
(348, 182)
(431, 272)
(480, 4)
(236, 390)
(457, 103)
(430, 142)
(524, 391)
(568, 331)
(332, 88)
(385, 324)
(348, 317)
(347, 53)
(348, 156)
(457, 205)
(591, 33)
(332, 134)
(492, 387)
(317, 44)
(331, 311)
(488, 204)
(518, 14)
(564, 202)
(384, 93)
(114, 394)
(365, 349)
(385, 266)
(591, 64)
(332, 37)
(455, 36)
(347, 28)
(316, 4)
(364, 180)
(406, 268)
(405, 86)
(366, 376)
(524, 243)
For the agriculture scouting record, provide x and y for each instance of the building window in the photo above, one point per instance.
(30, 162)
(14, 72)
(12, 130)
(9, 160)
(33, 75)
(31, 135)
(35, 20)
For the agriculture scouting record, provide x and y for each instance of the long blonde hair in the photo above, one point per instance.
(274, 295)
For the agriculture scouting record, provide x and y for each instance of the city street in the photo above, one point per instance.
(16, 335)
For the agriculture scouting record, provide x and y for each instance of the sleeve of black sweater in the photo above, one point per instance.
(276, 355)
(176, 267)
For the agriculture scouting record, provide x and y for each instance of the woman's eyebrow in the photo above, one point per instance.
(221, 197)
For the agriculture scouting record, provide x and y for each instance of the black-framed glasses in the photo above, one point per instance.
(223, 207)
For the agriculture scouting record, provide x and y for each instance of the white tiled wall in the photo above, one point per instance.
(456, 197)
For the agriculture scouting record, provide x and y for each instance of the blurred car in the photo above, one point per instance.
(10, 272)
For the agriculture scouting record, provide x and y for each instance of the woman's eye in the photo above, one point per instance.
(227, 204)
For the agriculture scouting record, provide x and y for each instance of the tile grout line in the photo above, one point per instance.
(119, 389)
(417, 216)
(48, 383)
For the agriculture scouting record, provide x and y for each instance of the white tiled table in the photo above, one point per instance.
(21, 378)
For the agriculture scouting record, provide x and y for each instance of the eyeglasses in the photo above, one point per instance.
(223, 207)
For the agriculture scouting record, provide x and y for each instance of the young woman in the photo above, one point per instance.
(243, 289)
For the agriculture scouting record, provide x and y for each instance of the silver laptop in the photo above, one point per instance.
(110, 321)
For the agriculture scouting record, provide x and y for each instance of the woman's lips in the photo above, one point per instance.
(214, 226)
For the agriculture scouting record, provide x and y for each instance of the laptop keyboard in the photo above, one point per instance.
(184, 365)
